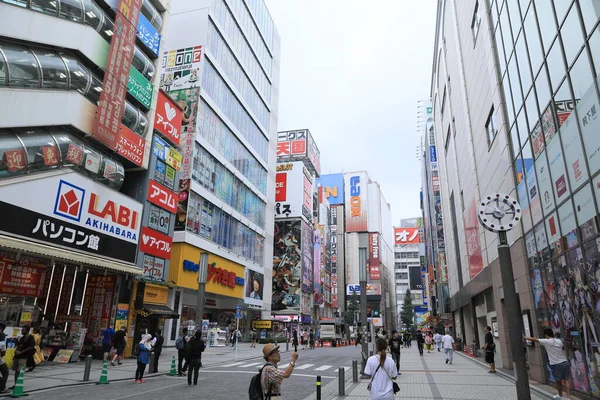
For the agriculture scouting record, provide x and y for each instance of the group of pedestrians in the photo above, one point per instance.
(189, 351)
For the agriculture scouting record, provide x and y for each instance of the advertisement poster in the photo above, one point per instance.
(472, 239)
(254, 287)
(168, 118)
(406, 236)
(182, 205)
(181, 69)
(374, 257)
(21, 278)
(356, 201)
(97, 305)
(588, 110)
(557, 169)
(291, 190)
(573, 153)
(287, 266)
(307, 257)
(333, 188)
(544, 183)
(317, 278)
(291, 145)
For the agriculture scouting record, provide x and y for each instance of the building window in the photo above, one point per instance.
(447, 140)
(490, 127)
(475, 22)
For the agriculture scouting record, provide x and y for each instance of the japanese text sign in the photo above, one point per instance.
(131, 146)
(162, 197)
(406, 235)
(148, 34)
(22, 278)
(155, 243)
(167, 119)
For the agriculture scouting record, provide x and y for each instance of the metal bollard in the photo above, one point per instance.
(151, 363)
(318, 387)
(88, 368)
(354, 371)
(342, 381)
(287, 345)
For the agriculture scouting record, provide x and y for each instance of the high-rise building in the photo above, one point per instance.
(221, 64)
(515, 106)
(78, 88)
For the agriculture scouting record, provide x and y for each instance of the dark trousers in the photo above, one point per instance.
(194, 364)
(396, 357)
(156, 357)
(420, 346)
(139, 372)
(182, 361)
(4, 378)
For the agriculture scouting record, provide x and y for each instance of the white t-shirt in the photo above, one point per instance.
(554, 349)
(447, 341)
(381, 387)
(2, 348)
(437, 338)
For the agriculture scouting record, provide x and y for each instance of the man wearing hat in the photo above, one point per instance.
(272, 377)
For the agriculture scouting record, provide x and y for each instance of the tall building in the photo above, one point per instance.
(515, 107)
(367, 243)
(221, 64)
(78, 88)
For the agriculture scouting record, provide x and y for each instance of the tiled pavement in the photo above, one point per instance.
(429, 377)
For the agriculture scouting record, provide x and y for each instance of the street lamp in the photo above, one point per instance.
(362, 277)
(202, 275)
(500, 213)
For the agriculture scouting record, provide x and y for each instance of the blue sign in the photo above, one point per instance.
(432, 154)
(238, 307)
(160, 148)
(333, 188)
(148, 34)
(238, 311)
(190, 266)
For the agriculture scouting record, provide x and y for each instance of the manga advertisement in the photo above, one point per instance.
(287, 267)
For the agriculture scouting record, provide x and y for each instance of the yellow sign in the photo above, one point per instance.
(156, 294)
(63, 356)
(174, 158)
(263, 324)
(26, 318)
(224, 277)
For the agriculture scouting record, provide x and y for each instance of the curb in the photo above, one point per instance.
(537, 390)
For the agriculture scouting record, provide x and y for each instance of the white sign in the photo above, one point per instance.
(557, 168)
(73, 198)
(567, 217)
(290, 192)
(588, 110)
(584, 205)
(544, 183)
(573, 152)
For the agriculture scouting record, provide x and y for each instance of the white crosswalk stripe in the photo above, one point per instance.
(304, 366)
(323, 367)
(249, 365)
(283, 366)
(231, 365)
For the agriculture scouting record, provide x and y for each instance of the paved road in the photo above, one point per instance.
(228, 380)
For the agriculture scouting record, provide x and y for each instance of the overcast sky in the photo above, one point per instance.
(352, 72)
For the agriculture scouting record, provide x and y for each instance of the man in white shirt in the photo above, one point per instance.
(557, 360)
(438, 340)
(447, 342)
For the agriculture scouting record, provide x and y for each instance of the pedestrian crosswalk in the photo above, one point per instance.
(307, 367)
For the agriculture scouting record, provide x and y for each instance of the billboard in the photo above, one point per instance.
(181, 68)
(372, 289)
(317, 276)
(287, 266)
(299, 145)
(255, 282)
(472, 238)
(355, 185)
(293, 191)
(333, 188)
(307, 258)
(406, 236)
(414, 276)
(374, 256)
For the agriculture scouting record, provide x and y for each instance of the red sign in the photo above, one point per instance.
(374, 256)
(21, 278)
(50, 154)
(162, 197)
(472, 238)
(167, 119)
(74, 154)
(14, 159)
(98, 303)
(155, 243)
(281, 186)
(291, 148)
(116, 75)
(222, 276)
(131, 146)
(406, 235)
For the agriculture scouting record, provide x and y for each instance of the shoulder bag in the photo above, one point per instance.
(394, 384)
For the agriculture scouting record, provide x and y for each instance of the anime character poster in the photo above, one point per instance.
(287, 267)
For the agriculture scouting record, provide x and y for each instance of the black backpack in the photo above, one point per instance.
(255, 391)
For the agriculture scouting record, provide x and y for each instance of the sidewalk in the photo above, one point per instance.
(429, 377)
(50, 375)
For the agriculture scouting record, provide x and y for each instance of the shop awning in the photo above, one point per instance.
(59, 254)
(160, 310)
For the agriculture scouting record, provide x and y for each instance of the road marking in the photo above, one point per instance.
(150, 391)
(305, 366)
(323, 367)
(283, 366)
(249, 365)
(230, 365)
(252, 373)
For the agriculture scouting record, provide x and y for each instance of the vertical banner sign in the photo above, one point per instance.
(473, 244)
(168, 117)
(374, 259)
(356, 197)
(116, 75)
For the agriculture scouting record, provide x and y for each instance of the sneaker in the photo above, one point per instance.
(447, 361)
(142, 381)
(112, 363)
(120, 363)
(557, 397)
(137, 381)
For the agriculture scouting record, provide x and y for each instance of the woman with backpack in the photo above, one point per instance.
(383, 373)
(193, 352)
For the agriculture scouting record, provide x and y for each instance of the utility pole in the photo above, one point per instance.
(362, 274)
(500, 213)
(202, 275)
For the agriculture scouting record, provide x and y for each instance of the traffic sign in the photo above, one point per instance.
(238, 311)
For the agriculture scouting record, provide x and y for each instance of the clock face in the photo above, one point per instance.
(499, 212)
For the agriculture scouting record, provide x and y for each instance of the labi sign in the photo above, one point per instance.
(72, 211)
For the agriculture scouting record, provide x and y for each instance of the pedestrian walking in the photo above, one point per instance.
(407, 339)
(420, 342)
(236, 335)
(120, 343)
(382, 383)
(143, 357)
(295, 340)
(193, 352)
(3, 367)
(438, 340)
(227, 335)
(557, 361)
(395, 345)
(489, 348)
(429, 342)
(271, 377)
(311, 340)
(447, 342)
(23, 351)
(180, 344)
(157, 345)
(358, 339)
(107, 342)
(37, 357)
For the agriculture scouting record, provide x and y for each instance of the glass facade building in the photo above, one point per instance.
(549, 56)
